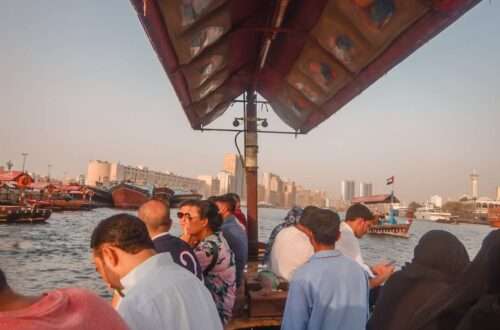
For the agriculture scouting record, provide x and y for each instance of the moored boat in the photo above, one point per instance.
(181, 196)
(127, 195)
(432, 214)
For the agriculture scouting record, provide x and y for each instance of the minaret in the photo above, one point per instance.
(474, 180)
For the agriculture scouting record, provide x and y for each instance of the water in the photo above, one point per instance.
(38, 258)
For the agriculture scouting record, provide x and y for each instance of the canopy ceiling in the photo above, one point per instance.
(320, 54)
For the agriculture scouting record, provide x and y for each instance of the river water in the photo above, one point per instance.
(37, 258)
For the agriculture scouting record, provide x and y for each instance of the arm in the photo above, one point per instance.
(296, 315)
(382, 273)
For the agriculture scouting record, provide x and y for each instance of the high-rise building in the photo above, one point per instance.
(290, 194)
(226, 182)
(474, 181)
(498, 193)
(233, 165)
(212, 185)
(274, 189)
(365, 189)
(347, 190)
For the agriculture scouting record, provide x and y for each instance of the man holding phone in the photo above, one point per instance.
(357, 222)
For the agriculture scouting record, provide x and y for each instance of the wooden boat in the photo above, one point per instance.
(181, 196)
(163, 194)
(494, 217)
(390, 227)
(100, 197)
(21, 214)
(129, 196)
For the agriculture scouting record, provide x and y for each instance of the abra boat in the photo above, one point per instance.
(390, 227)
(432, 214)
(21, 214)
(181, 196)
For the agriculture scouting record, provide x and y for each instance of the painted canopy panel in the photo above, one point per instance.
(322, 55)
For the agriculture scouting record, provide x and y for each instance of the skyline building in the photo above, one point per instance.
(226, 182)
(347, 190)
(290, 192)
(474, 181)
(365, 189)
(212, 185)
(498, 193)
(232, 165)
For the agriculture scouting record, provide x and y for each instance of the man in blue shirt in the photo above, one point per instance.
(234, 233)
(330, 291)
(156, 216)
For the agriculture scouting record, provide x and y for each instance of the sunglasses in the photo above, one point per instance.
(181, 215)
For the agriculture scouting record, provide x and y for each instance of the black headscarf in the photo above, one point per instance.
(439, 258)
(480, 280)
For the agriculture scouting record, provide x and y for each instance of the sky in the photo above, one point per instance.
(80, 81)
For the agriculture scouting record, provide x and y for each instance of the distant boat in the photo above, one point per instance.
(20, 214)
(127, 195)
(432, 214)
(390, 226)
(180, 196)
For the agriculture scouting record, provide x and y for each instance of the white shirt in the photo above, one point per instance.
(348, 244)
(159, 294)
(291, 249)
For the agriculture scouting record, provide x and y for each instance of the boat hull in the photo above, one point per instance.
(399, 230)
(129, 197)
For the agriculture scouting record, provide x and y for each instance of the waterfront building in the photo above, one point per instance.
(212, 185)
(233, 165)
(437, 201)
(347, 190)
(261, 193)
(103, 172)
(274, 192)
(18, 177)
(474, 181)
(365, 189)
(226, 182)
(307, 197)
(498, 193)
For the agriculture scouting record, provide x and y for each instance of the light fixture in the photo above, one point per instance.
(264, 123)
(236, 122)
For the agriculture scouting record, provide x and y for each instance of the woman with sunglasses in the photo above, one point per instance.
(201, 224)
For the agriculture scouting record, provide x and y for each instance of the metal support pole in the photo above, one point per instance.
(251, 169)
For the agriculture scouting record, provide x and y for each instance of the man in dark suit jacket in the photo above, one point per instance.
(156, 215)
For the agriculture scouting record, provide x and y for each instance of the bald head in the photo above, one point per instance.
(156, 215)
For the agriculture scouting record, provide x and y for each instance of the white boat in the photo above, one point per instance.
(431, 214)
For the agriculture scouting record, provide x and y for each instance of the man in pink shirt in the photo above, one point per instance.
(68, 309)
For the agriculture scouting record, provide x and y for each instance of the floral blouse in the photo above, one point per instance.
(220, 274)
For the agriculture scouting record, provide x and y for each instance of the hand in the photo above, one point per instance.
(383, 270)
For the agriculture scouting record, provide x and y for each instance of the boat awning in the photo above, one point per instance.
(306, 58)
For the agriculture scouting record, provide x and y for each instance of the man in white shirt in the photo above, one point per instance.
(291, 248)
(156, 292)
(357, 222)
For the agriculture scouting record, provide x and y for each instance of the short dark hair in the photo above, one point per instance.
(228, 200)
(124, 231)
(3, 281)
(324, 225)
(307, 214)
(208, 210)
(234, 196)
(358, 210)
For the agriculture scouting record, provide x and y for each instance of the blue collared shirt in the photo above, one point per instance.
(329, 292)
(237, 239)
(159, 294)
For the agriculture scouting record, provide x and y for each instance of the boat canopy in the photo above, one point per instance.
(307, 58)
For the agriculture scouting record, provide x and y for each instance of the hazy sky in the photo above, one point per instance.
(79, 81)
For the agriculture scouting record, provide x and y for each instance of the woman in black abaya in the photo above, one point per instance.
(439, 258)
(473, 301)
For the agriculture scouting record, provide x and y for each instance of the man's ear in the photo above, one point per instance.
(110, 255)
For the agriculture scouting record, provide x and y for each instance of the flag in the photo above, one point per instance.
(390, 180)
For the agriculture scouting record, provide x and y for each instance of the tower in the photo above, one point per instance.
(474, 181)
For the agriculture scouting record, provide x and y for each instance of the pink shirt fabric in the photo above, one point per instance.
(68, 309)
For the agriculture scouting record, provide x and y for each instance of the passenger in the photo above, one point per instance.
(357, 222)
(291, 248)
(203, 233)
(68, 309)
(473, 302)
(291, 219)
(156, 292)
(330, 291)
(439, 258)
(156, 215)
(234, 233)
(237, 212)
